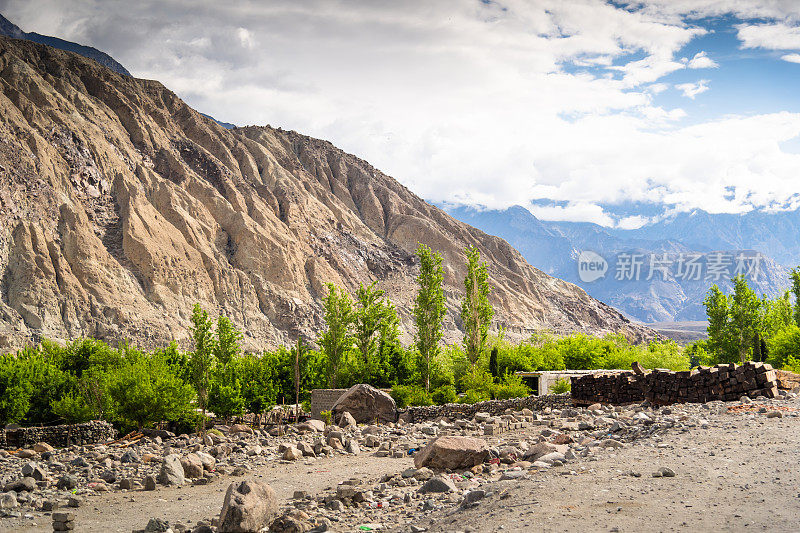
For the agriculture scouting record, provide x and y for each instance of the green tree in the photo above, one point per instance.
(337, 339)
(476, 310)
(745, 318)
(146, 391)
(717, 311)
(228, 342)
(795, 275)
(429, 310)
(494, 369)
(373, 320)
(201, 361)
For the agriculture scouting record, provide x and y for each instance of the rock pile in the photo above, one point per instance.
(724, 382)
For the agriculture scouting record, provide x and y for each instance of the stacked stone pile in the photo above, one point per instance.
(726, 382)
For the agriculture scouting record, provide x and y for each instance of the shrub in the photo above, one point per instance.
(445, 394)
(511, 387)
(327, 416)
(477, 379)
(145, 392)
(406, 396)
(783, 346)
(225, 400)
(560, 386)
(474, 396)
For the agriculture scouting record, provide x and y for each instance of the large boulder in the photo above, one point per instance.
(171, 471)
(366, 404)
(192, 466)
(249, 506)
(451, 452)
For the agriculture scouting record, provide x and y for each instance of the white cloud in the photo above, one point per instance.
(465, 101)
(690, 90)
(701, 60)
(791, 58)
(777, 36)
(245, 38)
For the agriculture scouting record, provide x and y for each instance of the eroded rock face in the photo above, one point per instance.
(120, 207)
(249, 506)
(366, 405)
(452, 452)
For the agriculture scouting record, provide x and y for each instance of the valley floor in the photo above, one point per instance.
(734, 471)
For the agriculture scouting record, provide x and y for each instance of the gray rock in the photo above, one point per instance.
(130, 456)
(346, 420)
(157, 525)
(438, 484)
(150, 483)
(171, 471)
(67, 482)
(366, 404)
(26, 484)
(249, 506)
(8, 500)
(32, 469)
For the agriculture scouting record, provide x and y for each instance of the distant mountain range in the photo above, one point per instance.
(701, 249)
(9, 29)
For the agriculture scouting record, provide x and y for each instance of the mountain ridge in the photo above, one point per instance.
(122, 207)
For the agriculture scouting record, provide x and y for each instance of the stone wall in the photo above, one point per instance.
(493, 407)
(787, 380)
(58, 436)
(323, 400)
(726, 382)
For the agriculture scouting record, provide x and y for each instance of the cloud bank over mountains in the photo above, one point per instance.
(567, 107)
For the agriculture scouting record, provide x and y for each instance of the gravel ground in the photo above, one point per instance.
(734, 471)
(740, 474)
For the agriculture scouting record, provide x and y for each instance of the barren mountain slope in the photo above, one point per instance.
(120, 207)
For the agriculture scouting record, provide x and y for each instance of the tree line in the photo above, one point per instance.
(743, 326)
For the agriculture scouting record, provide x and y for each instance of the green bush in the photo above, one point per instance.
(146, 391)
(474, 396)
(560, 386)
(479, 380)
(511, 387)
(407, 396)
(784, 346)
(445, 394)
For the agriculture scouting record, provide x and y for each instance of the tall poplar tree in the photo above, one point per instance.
(476, 310)
(428, 310)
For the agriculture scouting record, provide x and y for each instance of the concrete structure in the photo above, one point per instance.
(323, 400)
(546, 378)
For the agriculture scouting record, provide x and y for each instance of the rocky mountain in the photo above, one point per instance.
(120, 207)
(555, 247)
(9, 29)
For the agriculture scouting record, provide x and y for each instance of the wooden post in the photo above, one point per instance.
(297, 379)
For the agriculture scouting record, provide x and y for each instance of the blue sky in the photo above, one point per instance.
(584, 110)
